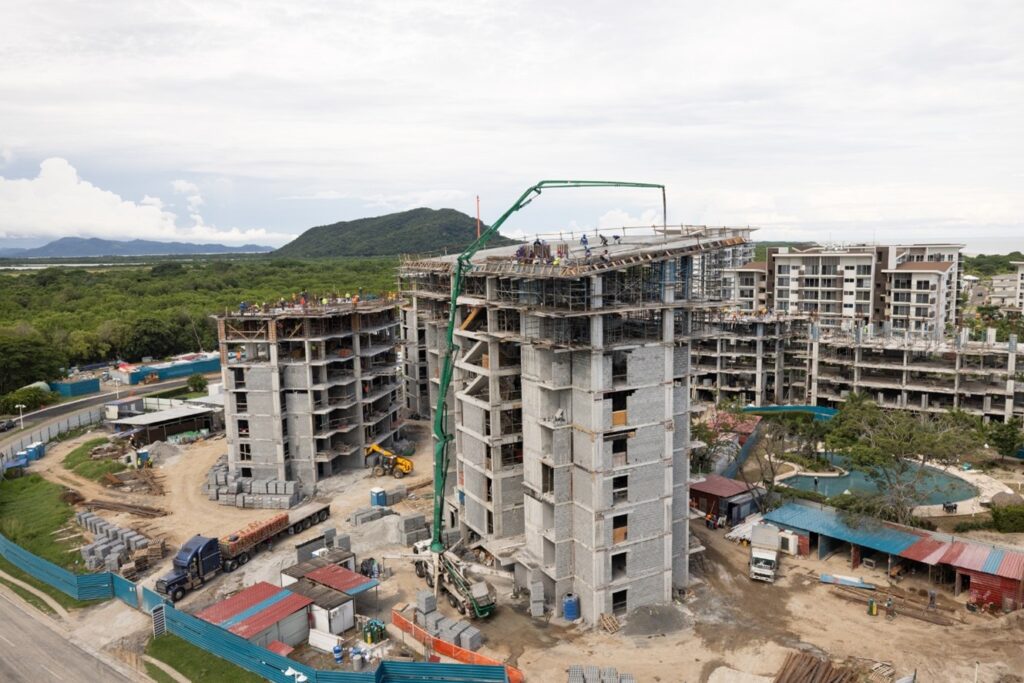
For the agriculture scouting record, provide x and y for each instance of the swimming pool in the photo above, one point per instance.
(936, 485)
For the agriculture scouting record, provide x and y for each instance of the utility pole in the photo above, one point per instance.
(21, 414)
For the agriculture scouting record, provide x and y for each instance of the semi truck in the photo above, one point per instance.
(201, 557)
(764, 552)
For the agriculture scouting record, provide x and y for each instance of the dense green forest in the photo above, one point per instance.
(416, 231)
(984, 265)
(65, 316)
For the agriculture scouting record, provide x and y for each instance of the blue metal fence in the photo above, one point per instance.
(81, 587)
(125, 591)
(150, 600)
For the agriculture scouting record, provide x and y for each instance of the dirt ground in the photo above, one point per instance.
(749, 627)
(729, 629)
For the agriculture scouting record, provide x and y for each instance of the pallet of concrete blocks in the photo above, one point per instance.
(627, 678)
(591, 674)
(414, 529)
(451, 634)
(426, 601)
(395, 495)
(471, 638)
(575, 672)
(432, 622)
(609, 675)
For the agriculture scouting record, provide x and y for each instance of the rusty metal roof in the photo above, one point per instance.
(717, 485)
(254, 609)
(928, 550)
(342, 579)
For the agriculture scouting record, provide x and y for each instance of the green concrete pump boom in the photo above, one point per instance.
(462, 267)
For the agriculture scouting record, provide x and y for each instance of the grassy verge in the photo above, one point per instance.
(31, 510)
(157, 674)
(30, 598)
(65, 600)
(79, 461)
(195, 663)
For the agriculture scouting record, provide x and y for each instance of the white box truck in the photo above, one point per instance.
(764, 552)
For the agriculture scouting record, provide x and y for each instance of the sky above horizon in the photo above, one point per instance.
(249, 122)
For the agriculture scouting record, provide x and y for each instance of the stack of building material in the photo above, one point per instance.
(414, 528)
(803, 667)
(246, 492)
(395, 495)
(112, 545)
(456, 631)
(536, 599)
(591, 674)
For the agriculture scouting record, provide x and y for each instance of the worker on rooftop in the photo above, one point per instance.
(584, 242)
(604, 240)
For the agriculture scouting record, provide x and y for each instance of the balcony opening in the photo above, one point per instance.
(490, 522)
(620, 366)
(241, 403)
(243, 428)
(618, 566)
(511, 454)
(238, 375)
(490, 490)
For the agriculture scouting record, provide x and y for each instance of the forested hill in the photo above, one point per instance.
(83, 247)
(992, 264)
(407, 232)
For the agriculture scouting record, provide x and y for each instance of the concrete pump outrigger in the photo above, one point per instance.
(445, 572)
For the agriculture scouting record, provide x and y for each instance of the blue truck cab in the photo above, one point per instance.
(197, 561)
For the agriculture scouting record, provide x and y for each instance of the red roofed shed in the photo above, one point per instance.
(263, 613)
(722, 497)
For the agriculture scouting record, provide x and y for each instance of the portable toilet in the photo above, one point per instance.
(378, 496)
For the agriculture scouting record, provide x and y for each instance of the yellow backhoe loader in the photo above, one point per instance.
(389, 463)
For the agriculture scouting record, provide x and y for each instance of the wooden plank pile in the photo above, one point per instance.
(803, 667)
(137, 510)
(610, 623)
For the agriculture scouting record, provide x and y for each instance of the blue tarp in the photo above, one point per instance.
(819, 412)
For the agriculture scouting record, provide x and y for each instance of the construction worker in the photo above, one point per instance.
(604, 240)
(584, 242)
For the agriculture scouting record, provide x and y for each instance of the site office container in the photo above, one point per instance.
(990, 588)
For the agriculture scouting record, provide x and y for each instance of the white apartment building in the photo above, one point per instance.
(912, 288)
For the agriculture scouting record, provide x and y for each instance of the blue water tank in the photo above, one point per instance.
(571, 606)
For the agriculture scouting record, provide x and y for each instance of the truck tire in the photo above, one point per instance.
(177, 594)
(429, 578)
(243, 558)
(297, 528)
(455, 602)
(421, 569)
(230, 566)
(461, 607)
(398, 474)
(307, 522)
(378, 471)
(322, 516)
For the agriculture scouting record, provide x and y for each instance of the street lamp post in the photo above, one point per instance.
(117, 387)
(21, 414)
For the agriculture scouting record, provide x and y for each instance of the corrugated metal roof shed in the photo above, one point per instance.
(239, 602)
(972, 557)
(264, 619)
(342, 579)
(822, 520)
(717, 485)
(321, 595)
(1012, 566)
(927, 550)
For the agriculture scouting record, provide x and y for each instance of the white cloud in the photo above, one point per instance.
(6, 155)
(57, 203)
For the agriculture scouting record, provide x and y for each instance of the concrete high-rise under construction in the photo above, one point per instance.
(571, 405)
(308, 389)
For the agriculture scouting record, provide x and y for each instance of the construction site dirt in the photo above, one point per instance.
(728, 629)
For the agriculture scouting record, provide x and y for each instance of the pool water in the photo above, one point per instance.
(936, 485)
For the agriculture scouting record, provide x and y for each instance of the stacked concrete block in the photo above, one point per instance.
(395, 495)
(609, 675)
(471, 638)
(414, 528)
(112, 544)
(591, 674)
(364, 515)
(426, 601)
(246, 492)
(537, 599)
(343, 542)
(627, 678)
(432, 621)
(451, 634)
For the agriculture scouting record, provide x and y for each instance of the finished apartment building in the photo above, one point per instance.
(571, 408)
(308, 388)
(914, 288)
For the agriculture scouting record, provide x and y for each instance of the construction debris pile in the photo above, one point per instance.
(579, 673)
(803, 667)
(246, 492)
(456, 631)
(114, 546)
(136, 481)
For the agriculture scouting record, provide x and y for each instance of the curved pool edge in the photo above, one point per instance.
(985, 485)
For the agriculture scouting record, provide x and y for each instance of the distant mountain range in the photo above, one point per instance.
(81, 247)
(415, 231)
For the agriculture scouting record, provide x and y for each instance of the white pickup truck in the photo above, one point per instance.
(764, 552)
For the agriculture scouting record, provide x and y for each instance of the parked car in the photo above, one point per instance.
(7, 425)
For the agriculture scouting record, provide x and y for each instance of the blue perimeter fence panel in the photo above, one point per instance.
(150, 600)
(419, 672)
(125, 591)
(78, 586)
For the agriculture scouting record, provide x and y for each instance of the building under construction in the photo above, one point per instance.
(309, 388)
(570, 405)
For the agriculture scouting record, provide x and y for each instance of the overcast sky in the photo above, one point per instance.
(252, 121)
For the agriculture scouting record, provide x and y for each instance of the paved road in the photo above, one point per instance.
(31, 651)
(56, 413)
